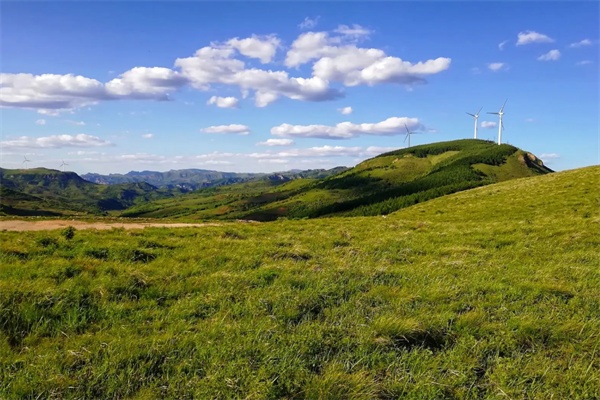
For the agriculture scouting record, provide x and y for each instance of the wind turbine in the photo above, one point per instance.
(500, 125)
(62, 165)
(408, 133)
(25, 161)
(475, 116)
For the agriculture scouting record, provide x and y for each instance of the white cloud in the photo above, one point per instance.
(355, 30)
(262, 48)
(581, 43)
(309, 23)
(40, 122)
(345, 110)
(148, 135)
(497, 66)
(324, 151)
(528, 37)
(584, 62)
(226, 129)
(338, 60)
(489, 124)
(145, 83)
(276, 142)
(273, 161)
(347, 130)
(223, 102)
(475, 71)
(502, 44)
(77, 123)
(335, 55)
(55, 141)
(552, 55)
(549, 156)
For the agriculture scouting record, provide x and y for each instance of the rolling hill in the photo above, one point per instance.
(48, 192)
(376, 186)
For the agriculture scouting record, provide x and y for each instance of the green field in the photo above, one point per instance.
(490, 293)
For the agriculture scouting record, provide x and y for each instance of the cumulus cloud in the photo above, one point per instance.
(489, 124)
(502, 44)
(228, 129)
(345, 110)
(335, 55)
(223, 102)
(262, 48)
(276, 142)
(309, 23)
(145, 83)
(552, 55)
(528, 37)
(217, 65)
(51, 92)
(497, 66)
(347, 130)
(148, 135)
(338, 60)
(581, 43)
(55, 141)
(40, 122)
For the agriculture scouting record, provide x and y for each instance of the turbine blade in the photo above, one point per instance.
(406, 137)
(406, 128)
(502, 109)
(479, 111)
(494, 113)
(471, 114)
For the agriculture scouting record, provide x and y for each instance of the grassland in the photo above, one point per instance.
(489, 293)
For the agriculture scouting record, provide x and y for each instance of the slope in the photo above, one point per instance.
(377, 186)
(489, 293)
(42, 191)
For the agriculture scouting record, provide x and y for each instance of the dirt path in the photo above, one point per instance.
(16, 225)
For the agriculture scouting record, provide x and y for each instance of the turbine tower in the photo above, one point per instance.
(475, 116)
(500, 125)
(408, 133)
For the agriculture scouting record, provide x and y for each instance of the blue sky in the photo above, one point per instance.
(112, 87)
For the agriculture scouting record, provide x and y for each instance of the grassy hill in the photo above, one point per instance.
(488, 293)
(47, 192)
(377, 186)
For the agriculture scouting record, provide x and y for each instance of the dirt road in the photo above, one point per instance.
(16, 225)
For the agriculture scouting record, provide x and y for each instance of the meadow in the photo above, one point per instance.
(489, 293)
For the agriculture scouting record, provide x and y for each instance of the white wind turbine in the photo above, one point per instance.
(408, 133)
(26, 160)
(500, 124)
(476, 117)
(62, 165)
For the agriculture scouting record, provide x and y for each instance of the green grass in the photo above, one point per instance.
(488, 293)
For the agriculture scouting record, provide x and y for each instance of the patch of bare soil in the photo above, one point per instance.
(16, 225)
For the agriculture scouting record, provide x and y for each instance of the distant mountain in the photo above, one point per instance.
(41, 191)
(380, 185)
(193, 179)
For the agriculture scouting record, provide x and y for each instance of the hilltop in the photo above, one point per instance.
(380, 185)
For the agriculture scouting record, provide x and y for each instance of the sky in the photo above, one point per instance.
(111, 87)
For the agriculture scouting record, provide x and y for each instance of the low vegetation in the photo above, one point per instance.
(488, 293)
